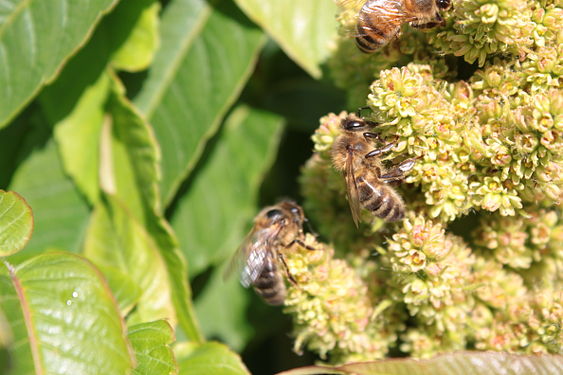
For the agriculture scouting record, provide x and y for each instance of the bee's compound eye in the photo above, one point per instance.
(353, 124)
(273, 213)
(443, 4)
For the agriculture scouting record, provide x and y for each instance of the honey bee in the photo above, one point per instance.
(367, 181)
(260, 256)
(379, 21)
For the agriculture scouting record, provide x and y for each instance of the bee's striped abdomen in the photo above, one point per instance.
(381, 200)
(370, 39)
(270, 285)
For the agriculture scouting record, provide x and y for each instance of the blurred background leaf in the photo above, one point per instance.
(304, 29)
(35, 41)
(198, 72)
(211, 358)
(220, 196)
(457, 363)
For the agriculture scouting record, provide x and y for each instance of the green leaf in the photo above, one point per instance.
(126, 292)
(211, 359)
(222, 195)
(12, 139)
(78, 134)
(36, 40)
(75, 104)
(60, 213)
(116, 239)
(229, 325)
(63, 318)
(138, 50)
(151, 342)
(206, 56)
(129, 159)
(458, 363)
(16, 222)
(304, 29)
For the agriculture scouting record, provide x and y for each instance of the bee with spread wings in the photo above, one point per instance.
(379, 21)
(275, 228)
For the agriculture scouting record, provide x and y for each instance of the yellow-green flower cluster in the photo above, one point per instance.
(479, 28)
(518, 241)
(432, 121)
(332, 308)
(510, 317)
(521, 135)
(490, 151)
(489, 168)
(531, 325)
(354, 71)
(432, 270)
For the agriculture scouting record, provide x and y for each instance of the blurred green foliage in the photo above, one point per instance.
(145, 135)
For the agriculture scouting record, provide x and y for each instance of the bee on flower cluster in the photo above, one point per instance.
(260, 256)
(367, 180)
(379, 21)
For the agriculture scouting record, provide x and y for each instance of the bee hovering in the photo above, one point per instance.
(379, 21)
(367, 180)
(260, 256)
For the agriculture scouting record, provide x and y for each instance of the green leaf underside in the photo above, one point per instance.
(16, 222)
(304, 29)
(63, 317)
(151, 342)
(36, 40)
(206, 56)
(116, 239)
(137, 51)
(211, 359)
(60, 213)
(457, 363)
(222, 194)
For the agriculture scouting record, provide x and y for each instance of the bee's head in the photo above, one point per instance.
(443, 4)
(293, 211)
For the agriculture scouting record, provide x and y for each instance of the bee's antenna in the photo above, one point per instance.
(310, 227)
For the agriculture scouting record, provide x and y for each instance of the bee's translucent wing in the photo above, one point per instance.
(388, 15)
(258, 257)
(352, 189)
(350, 3)
(252, 255)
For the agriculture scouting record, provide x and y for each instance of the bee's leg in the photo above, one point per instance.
(372, 135)
(289, 276)
(386, 148)
(300, 243)
(437, 21)
(398, 172)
